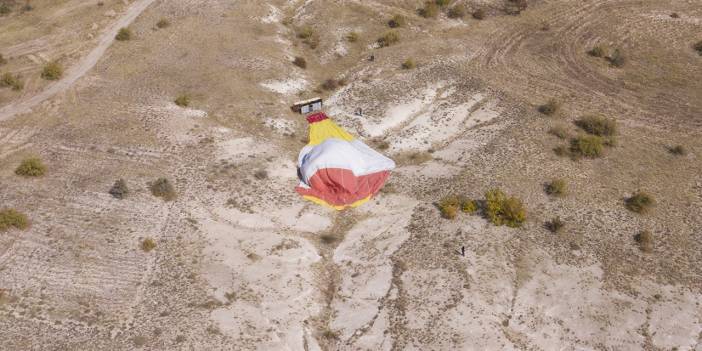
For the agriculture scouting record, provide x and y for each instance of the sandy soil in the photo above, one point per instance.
(243, 263)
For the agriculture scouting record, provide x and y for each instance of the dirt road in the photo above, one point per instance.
(76, 72)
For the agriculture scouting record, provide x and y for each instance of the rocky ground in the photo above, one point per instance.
(243, 263)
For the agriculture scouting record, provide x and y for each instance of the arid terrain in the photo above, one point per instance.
(481, 94)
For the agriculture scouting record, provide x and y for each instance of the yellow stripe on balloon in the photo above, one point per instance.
(325, 129)
(319, 201)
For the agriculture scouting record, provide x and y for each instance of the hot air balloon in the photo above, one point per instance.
(338, 170)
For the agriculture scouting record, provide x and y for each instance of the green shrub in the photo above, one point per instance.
(396, 21)
(677, 150)
(559, 131)
(555, 225)
(479, 14)
(640, 202)
(163, 23)
(148, 244)
(389, 38)
(409, 64)
(119, 190)
(448, 206)
(645, 241)
(52, 71)
(300, 62)
(163, 188)
(430, 10)
(550, 108)
(556, 187)
(182, 100)
(31, 167)
(469, 206)
(124, 34)
(12, 218)
(502, 210)
(352, 37)
(598, 125)
(698, 47)
(590, 146)
(617, 59)
(598, 51)
(457, 11)
(14, 82)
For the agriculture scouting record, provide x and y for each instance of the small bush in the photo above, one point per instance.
(590, 146)
(300, 62)
(163, 23)
(457, 11)
(409, 64)
(598, 125)
(182, 100)
(430, 10)
(124, 34)
(617, 59)
(561, 151)
(645, 241)
(148, 244)
(31, 167)
(678, 150)
(4, 9)
(559, 131)
(698, 47)
(555, 225)
(469, 206)
(352, 37)
(10, 218)
(52, 71)
(556, 187)
(550, 108)
(261, 174)
(119, 190)
(308, 36)
(479, 14)
(674, 15)
(3, 60)
(14, 82)
(396, 21)
(597, 51)
(640, 202)
(388, 39)
(163, 188)
(448, 206)
(502, 210)
(515, 7)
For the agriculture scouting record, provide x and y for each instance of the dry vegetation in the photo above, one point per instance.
(11, 218)
(31, 167)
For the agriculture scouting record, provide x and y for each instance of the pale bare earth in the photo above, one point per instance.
(243, 263)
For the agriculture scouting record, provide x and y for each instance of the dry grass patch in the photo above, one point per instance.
(396, 21)
(469, 206)
(300, 62)
(559, 131)
(409, 64)
(616, 59)
(479, 14)
(389, 38)
(590, 146)
(449, 206)
(550, 108)
(31, 167)
(640, 202)
(163, 188)
(52, 71)
(555, 225)
(598, 51)
(3, 60)
(677, 150)
(352, 37)
(11, 218)
(163, 23)
(308, 36)
(11, 81)
(430, 10)
(456, 12)
(148, 244)
(598, 125)
(182, 100)
(556, 187)
(698, 47)
(645, 241)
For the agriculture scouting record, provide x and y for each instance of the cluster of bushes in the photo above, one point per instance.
(11, 81)
(431, 9)
(499, 208)
(601, 132)
(11, 218)
(614, 57)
